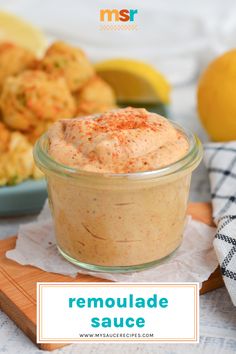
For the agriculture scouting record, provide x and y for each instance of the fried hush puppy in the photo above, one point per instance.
(13, 60)
(36, 93)
(96, 96)
(33, 100)
(16, 158)
(63, 60)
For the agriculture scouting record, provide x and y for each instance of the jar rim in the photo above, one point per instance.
(189, 161)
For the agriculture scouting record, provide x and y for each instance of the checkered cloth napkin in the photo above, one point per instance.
(220, 160)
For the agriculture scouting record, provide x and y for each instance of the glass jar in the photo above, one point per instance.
(118, 222)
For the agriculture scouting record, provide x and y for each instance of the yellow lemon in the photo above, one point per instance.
(15, 30)
(134, 81)
(216, 98)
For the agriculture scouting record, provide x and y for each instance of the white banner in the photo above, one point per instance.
(117, 312)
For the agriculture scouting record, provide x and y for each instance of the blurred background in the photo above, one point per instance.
(177, 36)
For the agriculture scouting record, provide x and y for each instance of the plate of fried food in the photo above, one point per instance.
(40, 84)
(34, 93)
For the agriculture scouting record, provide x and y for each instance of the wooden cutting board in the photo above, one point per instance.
(18, 283)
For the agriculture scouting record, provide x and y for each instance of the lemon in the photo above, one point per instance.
(15, 30)
(134, 81)
(216, 98)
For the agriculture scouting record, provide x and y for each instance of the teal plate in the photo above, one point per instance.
(25, 198)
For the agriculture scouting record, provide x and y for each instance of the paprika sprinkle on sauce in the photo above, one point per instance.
(120, 141)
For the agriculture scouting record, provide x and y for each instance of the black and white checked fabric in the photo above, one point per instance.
(220, 160)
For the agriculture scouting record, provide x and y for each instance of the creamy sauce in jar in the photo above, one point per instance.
(105, 223)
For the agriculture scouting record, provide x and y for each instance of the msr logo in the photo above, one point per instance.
(117, 15)
(113, 19)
